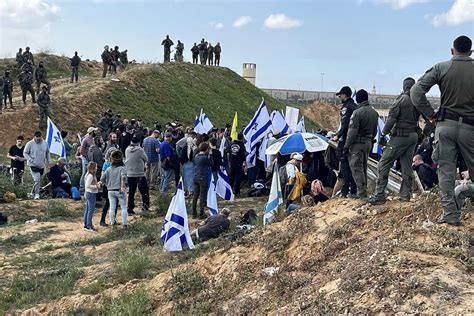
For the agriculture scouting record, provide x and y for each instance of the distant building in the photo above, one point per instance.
(307, 97)
(249, 72)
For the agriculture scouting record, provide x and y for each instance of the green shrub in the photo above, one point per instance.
(133, 264)
(135, 303)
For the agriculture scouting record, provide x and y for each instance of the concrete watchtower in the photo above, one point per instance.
(249, 72)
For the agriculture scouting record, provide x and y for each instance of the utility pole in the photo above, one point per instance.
(322, 81)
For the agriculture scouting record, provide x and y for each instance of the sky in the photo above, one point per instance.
(296, 44)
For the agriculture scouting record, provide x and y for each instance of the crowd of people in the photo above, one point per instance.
(120, 155)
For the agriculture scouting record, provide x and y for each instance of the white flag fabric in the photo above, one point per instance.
(212, 195)
(259, 126)
(223, 188)
(202, 124)
(291, 117)
(274, 199)
(278, 122)
(222, 146)
(175, 232)
(54, 140)
(267, 159)
(376, 148)
(300, 128)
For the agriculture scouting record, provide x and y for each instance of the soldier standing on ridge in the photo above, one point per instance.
(210, 55)
(43, 106)
(75, 62)
(124, 59)
(107, 60)
(7, 88)
(179, 52)
(195, 52)
(217, 54)
(27, 55)
(116, 57)
(41, 77)
(202, 48)
(455, 120)
(20, 60)
(206, 52)
(167, 43)
(25, 78)
(349, 188)
(362, 130)
(402, 125)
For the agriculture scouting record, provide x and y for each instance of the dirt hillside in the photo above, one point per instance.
(338, 257)
(324, 114)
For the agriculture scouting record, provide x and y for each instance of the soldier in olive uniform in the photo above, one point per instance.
(210, 55)
(202, 49)
(25, 78)
(27, 66)
(195, 52)
(402, 125)
(455, 120)
(362, 130)
(43, 106)
(7, 88)
(217, 54)
(41, 77)
(20, 60)
(107, 60)
(179, 52)
(206, 52)
(27, 55)
(124, 59)
(75, 63)
(167, 43)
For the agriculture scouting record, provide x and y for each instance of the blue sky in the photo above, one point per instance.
(360, 43)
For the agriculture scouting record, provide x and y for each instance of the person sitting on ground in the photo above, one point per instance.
(318, 192)
(213, 226)
(427, 175)
(464, 189)
(60, 180)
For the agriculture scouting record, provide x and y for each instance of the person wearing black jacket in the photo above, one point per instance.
(126, 138)
(216, 158)
(427, 175)
(202, 162)
(75, 62)
(236, 159)
(348, 106)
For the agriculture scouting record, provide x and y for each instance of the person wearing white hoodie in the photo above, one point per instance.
(135, 161)
(37, 157)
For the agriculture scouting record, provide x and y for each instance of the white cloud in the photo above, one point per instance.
(27, 14)
(381, 72)
(462, 11)
(399, 4)
(26, 23)
(242, 20)
(281, 21)
(216, 25)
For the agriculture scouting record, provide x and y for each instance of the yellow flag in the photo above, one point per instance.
(233, 131)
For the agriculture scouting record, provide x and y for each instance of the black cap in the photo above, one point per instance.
(345, 90)
(362, 96)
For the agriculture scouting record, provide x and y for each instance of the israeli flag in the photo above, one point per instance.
(203, 125)
(223, 187)
(354, 94)
(279, 123)
(175, 232)
(261, 152)
(212, 195)
(259, 126)
(54, 140)
(274, 199)
(300, 128)
(377, 149)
